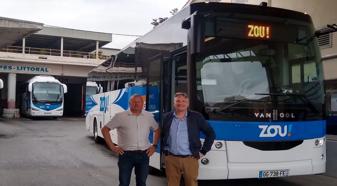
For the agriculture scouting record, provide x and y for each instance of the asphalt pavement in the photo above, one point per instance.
(61, 152)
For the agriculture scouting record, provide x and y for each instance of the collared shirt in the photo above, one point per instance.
(178, 142)
(133, 131)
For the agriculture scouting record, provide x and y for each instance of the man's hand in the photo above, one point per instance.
(200, 155)
(150, 151)
(117, 150)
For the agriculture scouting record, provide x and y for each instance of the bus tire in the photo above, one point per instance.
(95, 133)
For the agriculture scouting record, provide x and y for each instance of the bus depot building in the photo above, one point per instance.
(28, 49)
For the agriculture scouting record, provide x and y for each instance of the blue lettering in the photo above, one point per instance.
(24, 68)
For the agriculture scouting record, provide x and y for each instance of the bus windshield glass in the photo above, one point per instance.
(243, 72)
(90, 90)
(47, 92)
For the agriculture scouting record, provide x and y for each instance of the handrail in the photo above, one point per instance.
(54, 52)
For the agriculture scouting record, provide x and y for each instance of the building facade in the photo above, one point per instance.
(67, 54)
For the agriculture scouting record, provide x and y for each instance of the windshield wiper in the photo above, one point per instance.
(330, 28)
(223, 108)
(302, 97)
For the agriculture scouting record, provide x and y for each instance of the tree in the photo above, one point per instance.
(174, 11)
(157, 21)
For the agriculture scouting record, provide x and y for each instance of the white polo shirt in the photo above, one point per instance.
(133, 131)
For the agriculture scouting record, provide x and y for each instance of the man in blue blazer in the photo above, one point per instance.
(181, 141)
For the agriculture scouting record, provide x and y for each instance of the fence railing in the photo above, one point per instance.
(54, 52)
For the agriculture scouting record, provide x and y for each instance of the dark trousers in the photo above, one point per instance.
(127, 161)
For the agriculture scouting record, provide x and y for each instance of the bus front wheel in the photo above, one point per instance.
(95, 133)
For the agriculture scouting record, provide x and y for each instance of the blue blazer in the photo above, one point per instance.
(196, 123)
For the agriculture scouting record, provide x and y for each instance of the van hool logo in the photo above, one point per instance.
(275, 115)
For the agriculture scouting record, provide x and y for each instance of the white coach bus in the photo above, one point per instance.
(43, 96)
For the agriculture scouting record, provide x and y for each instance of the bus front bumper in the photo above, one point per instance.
(52, 113)
(218, 169)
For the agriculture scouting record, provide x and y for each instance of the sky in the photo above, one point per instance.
(132, 17)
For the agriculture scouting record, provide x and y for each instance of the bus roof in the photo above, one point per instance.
(91, 84)
(163, 34)
(44, 79)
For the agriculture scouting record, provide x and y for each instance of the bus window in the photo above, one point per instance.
(179, 75)
(333, 102)
(153, 98)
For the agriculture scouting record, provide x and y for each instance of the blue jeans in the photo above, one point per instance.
(131, 159)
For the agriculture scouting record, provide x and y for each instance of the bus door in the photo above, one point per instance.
(173, 79)
(158, 68)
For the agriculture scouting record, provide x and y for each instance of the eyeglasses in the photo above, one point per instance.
(181, 94)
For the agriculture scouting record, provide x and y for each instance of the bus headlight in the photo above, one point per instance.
(319, 142)
(218, 145)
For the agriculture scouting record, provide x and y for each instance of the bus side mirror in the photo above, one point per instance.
(100, 89)
(327, 30)
(30, 87)
(1, 84)
(186, 24)
(65, 88)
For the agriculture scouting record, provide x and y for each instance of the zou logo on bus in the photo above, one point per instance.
(103, 103)
(270, 131)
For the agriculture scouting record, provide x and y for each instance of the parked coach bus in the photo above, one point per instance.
(254, 72)
(43, 96)
(1, 84)
(92, 88)
(1, 87)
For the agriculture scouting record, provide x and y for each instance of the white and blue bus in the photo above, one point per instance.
(254, 72)
(106, 105)
(43, 96)
(1, 84)
(1, 87)
(92, 88)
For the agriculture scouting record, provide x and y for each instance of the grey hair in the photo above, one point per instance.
(134, 96)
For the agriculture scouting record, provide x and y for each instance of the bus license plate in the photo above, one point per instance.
(273, 173)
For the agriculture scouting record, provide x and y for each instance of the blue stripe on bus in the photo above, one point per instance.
(47, 106)
(268, 131)
(89, 103)
(123, 100)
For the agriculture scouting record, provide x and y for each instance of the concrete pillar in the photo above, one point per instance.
(11, 90)
(269, 2)
(23, 45)
(11, 111)
(97, 47)
(61, 49)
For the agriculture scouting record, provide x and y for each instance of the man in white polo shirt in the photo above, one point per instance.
(134, 149)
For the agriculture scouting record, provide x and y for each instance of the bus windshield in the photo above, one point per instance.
(47, 92)
(90, 90)
(245, 76)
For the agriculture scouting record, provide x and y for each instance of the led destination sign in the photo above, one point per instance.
(259, 31)
(253, 30)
